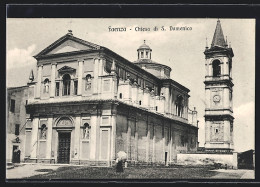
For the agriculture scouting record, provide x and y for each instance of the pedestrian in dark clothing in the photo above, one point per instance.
(119, 165)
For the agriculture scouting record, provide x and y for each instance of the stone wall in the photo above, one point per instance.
(150, 139)
(208, 159)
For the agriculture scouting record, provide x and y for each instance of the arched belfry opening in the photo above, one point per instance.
(216, 68)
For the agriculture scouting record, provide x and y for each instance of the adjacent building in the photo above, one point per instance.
(16, 121)
(87, 103)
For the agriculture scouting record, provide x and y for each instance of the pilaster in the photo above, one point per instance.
(39, 81)
(53, 76)
(77, 137)
(80, 76)
(95, 79)
(34, 142)
(49, 138)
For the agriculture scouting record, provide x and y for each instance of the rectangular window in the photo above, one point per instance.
(146, 54)
(57, 89)
(12, 107)
(17, 129)
(75, 87)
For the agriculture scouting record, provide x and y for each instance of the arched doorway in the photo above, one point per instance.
(64, 127)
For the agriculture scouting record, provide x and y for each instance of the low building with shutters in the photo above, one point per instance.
(16, 122)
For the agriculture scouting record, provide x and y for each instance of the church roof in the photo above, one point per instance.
(66, 37)
(218, 38)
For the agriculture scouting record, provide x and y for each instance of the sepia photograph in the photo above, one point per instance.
(130, 98)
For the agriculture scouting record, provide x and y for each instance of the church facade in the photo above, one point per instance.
(87, 103)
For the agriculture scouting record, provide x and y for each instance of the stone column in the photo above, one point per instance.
(210, 69)
(80, 76)
(100, 73)
(146, 98)
(127, 92)
(60, 89)
(136, 141)
(95, 79)
(226, 131)
(113, 137)
(77, 137)
(163, 140)
(147, 140)
(93, 144)
(167, 97)
(39, 82)
(208, 99)
(207, 131)
(161, 104)
(226, 67)
(226, 97)
(207, 68)
(128, 136)
(153, 156)
(53, 76)
(135, 94)
(49, 138)
(222, 64)
(170, 146)
(34, 142)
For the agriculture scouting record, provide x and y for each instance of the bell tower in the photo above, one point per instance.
(219, 90)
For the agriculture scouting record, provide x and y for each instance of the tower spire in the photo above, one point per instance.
(31, 77)
(218, 38)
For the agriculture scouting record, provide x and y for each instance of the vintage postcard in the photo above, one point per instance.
(146, 98)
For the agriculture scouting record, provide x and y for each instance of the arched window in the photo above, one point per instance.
(66, 84)
(43, 131)
(88, 82)
(179, 105)
(216, 68)
(140, 102)
(46, 86)
(86, 131)
(120, 96)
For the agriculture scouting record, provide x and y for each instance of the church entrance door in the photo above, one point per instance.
(64, 148)
(16, 154)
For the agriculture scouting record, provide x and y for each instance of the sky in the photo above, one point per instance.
(180, 50)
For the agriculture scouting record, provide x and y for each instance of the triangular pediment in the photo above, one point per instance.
(66, 69)
(66, 44)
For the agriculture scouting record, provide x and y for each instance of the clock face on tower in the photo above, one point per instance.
(216, 98)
